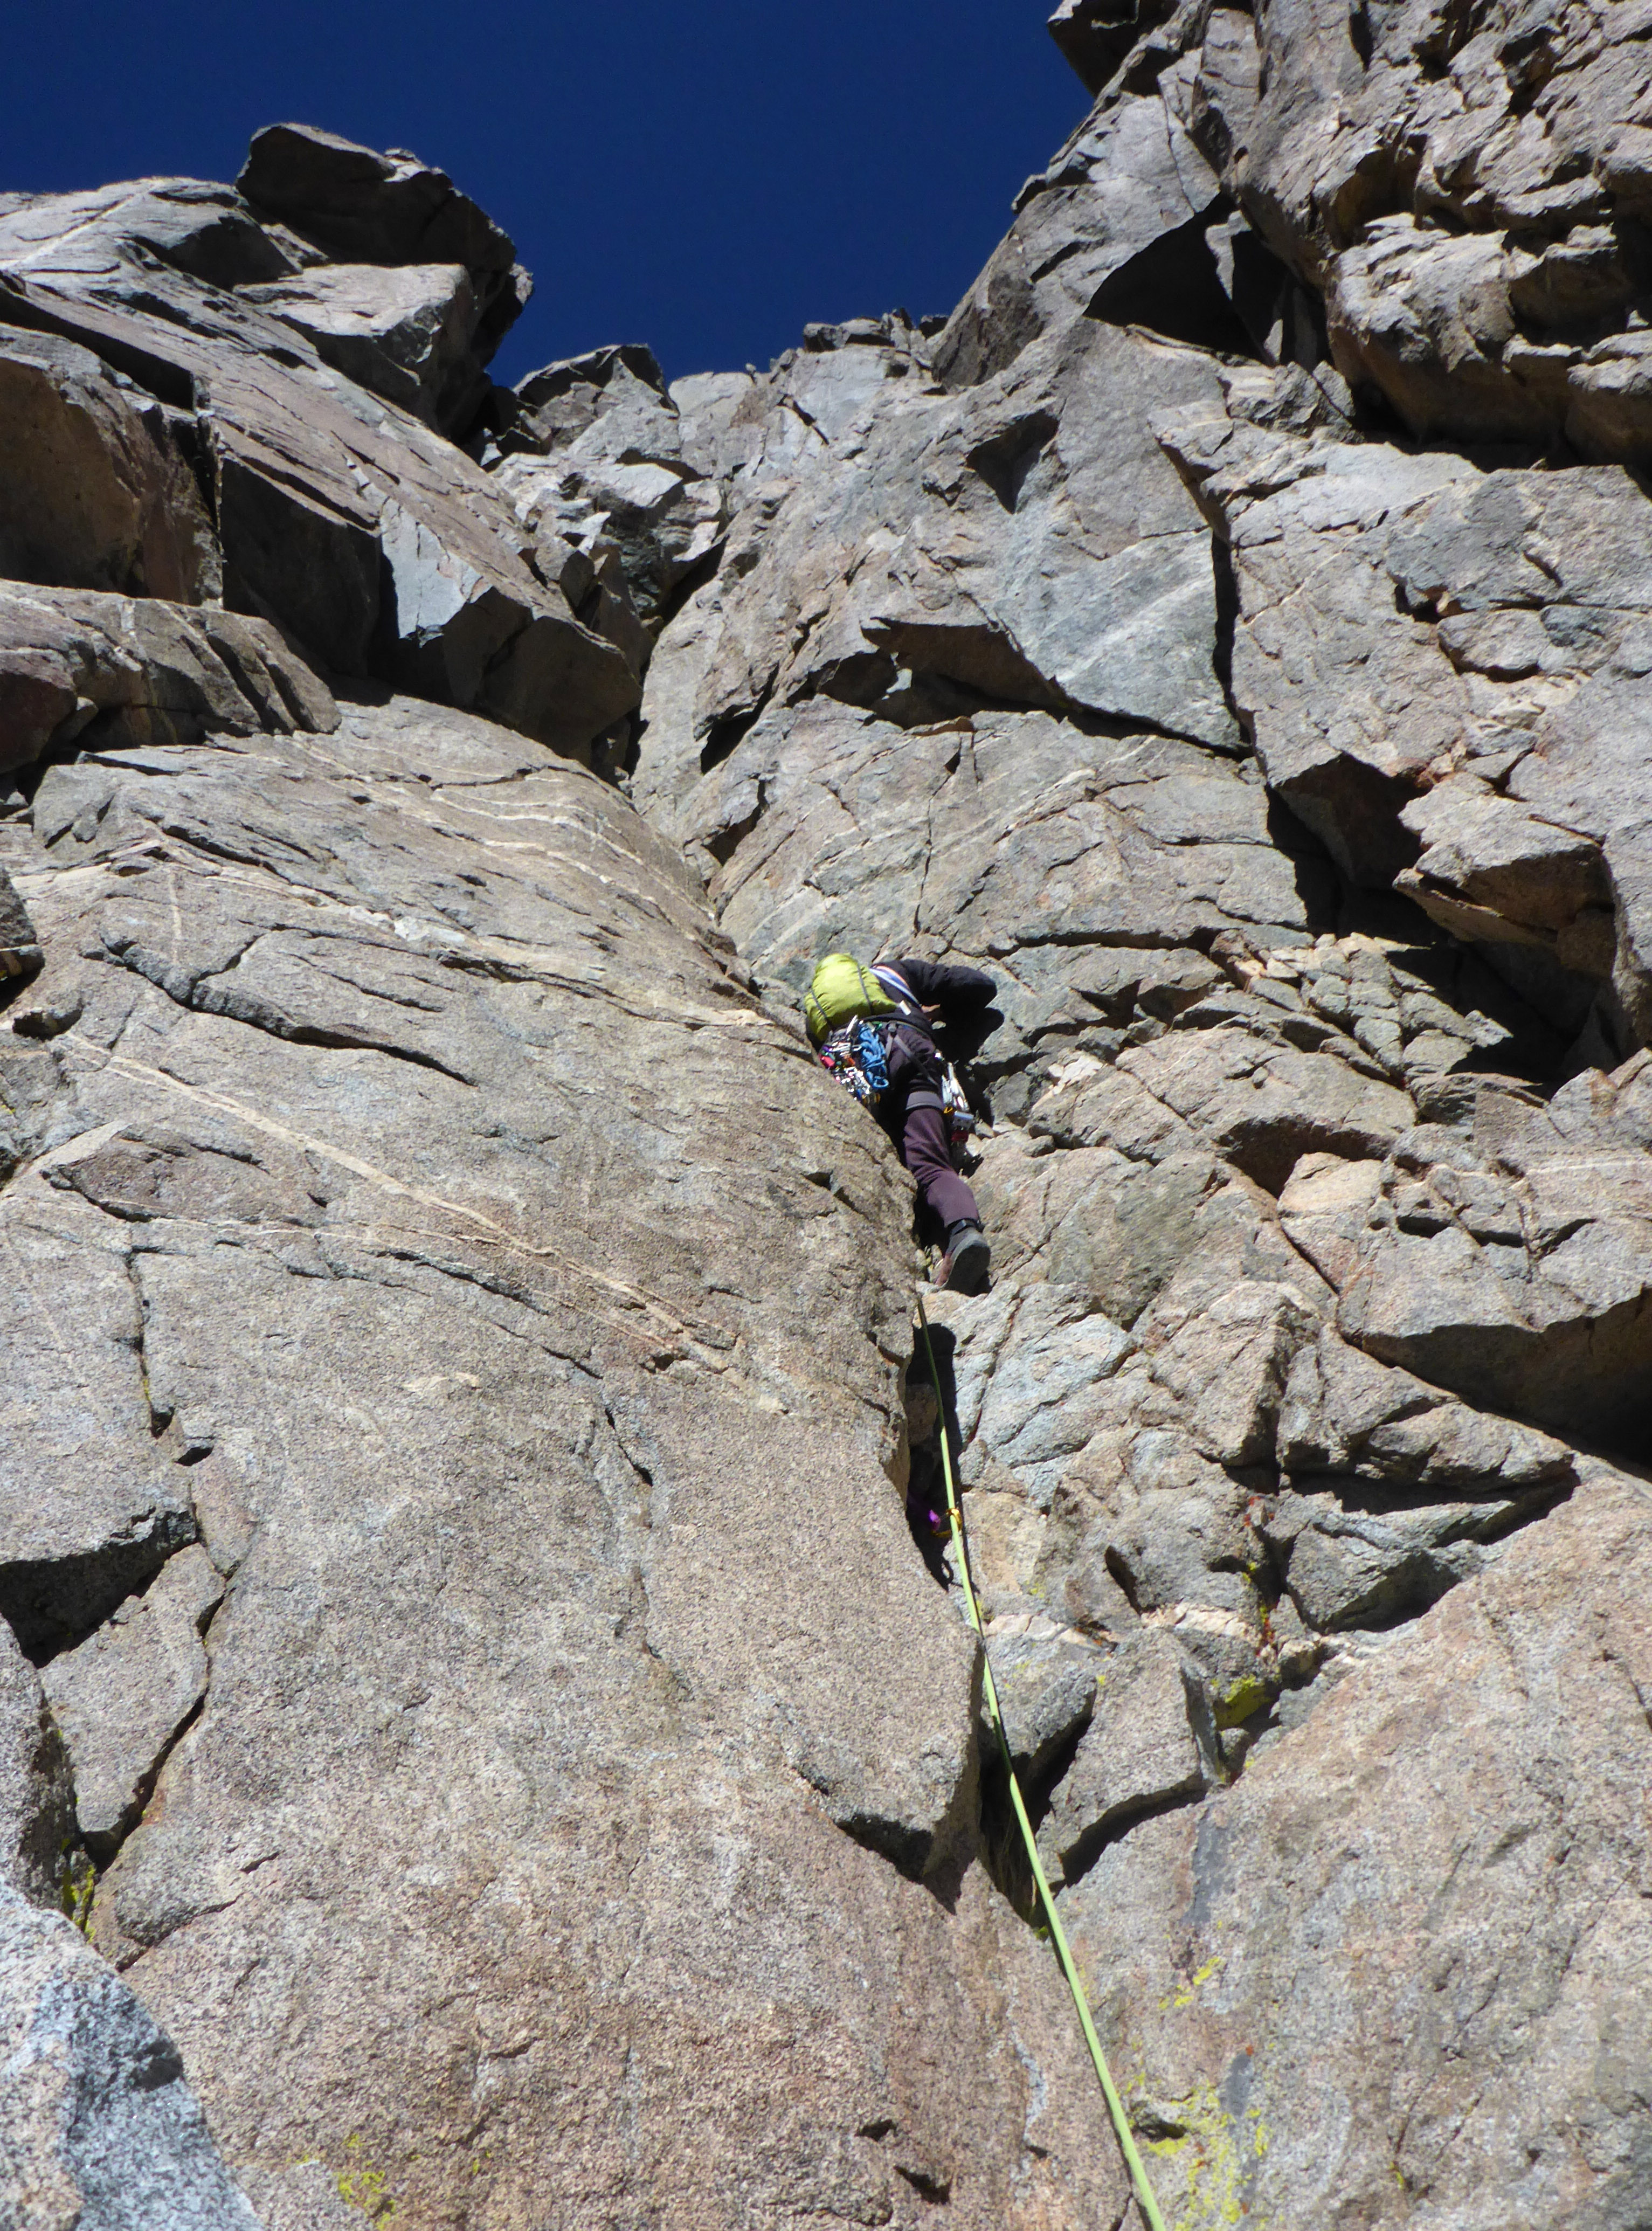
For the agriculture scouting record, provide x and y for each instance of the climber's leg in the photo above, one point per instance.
(926, 1151)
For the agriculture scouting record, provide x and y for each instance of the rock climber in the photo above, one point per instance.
(913, 1109)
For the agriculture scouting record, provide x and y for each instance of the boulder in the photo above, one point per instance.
(101, 2131)
(1130, 182)
(1346, 709)
(1265, 1106)
(174, 227)
(94, 492)
(357, 206)
(719, 418)
(1354, 1556)
(1552, 861)
(107, 671)
(1030, 1409)
(1344, 1413)
(593, 456)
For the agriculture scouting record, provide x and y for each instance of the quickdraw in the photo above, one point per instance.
(857, 1057)
(955, 1106)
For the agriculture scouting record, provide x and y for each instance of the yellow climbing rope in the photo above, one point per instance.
(1058, 1935)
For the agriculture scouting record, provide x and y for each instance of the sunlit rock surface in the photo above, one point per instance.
(470, 1672)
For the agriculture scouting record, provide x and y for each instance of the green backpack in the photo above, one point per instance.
(841, 990)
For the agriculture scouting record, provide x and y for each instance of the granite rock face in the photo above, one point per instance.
(473, 1676)
(80, 669)
(372, 542)
(420, 1028)
(1312, 1165)
(101, 2131)
(1461, 1829)
(1468, 195)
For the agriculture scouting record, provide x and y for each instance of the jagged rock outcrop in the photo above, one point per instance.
(473, 1676)
(1446, 669)
(370, 541)
(79, 668)
(598, 453)
(354, 206)
(1469, 192)
(1320, 1216)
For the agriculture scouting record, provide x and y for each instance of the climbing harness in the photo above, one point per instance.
(858, 1056)
(955, 1102)
(1058, 1935)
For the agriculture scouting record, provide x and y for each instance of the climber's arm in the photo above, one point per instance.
(949, 987)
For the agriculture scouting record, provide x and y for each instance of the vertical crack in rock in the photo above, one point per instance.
(1267, 1146)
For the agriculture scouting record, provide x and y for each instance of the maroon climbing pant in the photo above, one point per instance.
(927, 1152)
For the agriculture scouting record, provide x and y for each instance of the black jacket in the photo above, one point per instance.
(914, 1059)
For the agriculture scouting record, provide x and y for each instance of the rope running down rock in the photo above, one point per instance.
(1148, 2205)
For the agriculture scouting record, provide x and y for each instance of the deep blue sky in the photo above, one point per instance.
(705, 178)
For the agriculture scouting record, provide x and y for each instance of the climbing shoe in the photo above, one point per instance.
(963, 1268)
